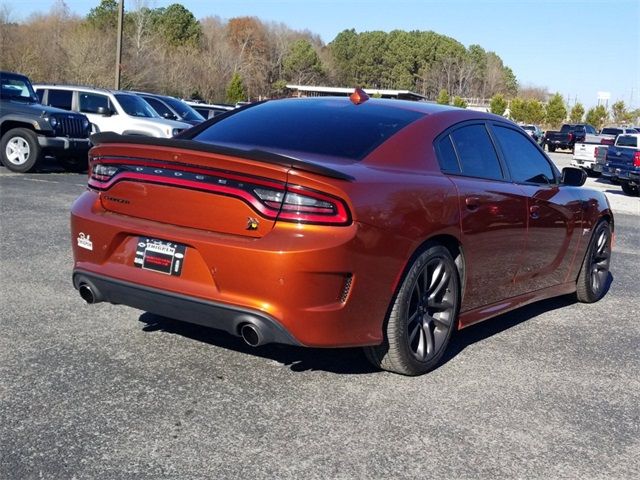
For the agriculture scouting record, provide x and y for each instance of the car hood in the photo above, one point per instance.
(35, 109)
(168, 123)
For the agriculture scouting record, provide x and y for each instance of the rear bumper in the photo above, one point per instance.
(580, 163)
(182, 307)
(325, 286)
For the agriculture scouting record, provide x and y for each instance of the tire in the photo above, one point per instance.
(422, 316)
(592, 173)
(631, 190)
(20, 150)
(552, 148)
(71, 164)
(591, 285)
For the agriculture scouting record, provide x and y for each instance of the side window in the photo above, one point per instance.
(90, 102)
(60, 98)
(447, 157)
(525, 162)
(160, 108)
(40, 93)
(477, 155)
(590, 129)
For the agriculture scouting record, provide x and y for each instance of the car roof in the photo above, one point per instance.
(84, 88)
(5, 73)
(426, 108)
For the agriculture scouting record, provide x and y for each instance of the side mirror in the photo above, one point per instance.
(574, 177)
(104, 111)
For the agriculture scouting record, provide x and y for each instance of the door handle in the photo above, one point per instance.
(473, 203)
(534, 211)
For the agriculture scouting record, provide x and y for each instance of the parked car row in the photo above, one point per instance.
(585, 152)
(57, 120)
(620, 162)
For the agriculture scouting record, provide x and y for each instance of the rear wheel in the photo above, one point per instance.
(422, 317)
(592, 281)
(20, 150)
(631, 190)
(552, 148)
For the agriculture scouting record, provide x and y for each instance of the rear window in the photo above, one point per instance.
(611, 131)
(566, 128)
(627, 141)
(322, 127)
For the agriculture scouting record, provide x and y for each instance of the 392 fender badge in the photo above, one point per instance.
(252, 223)
(84, 241)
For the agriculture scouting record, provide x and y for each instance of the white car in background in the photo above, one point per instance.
(110, 110)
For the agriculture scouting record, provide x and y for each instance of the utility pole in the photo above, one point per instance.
(119, 43)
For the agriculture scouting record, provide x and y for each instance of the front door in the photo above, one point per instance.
(553, 212)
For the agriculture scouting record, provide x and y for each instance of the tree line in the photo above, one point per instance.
(167, 50)
(554, 112)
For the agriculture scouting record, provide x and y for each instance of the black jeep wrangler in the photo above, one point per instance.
(29, 130)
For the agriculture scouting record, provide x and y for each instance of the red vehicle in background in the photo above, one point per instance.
(338, 222)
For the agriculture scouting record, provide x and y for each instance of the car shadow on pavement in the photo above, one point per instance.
(351, 360)
(298, 359)
(494, 326)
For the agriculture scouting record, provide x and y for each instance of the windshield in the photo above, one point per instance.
(135, 106)
(16, 87)
(183, 110)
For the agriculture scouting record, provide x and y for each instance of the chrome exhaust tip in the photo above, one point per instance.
(86, 292)
(251, 335)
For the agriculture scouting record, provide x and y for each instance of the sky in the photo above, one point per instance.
(575, 47)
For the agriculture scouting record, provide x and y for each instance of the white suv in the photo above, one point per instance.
(110, 110)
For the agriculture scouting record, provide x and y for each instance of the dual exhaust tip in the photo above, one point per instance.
(87, 293)
(249, 332)
(251, 335)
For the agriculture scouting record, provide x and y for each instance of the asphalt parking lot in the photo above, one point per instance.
(549, 391)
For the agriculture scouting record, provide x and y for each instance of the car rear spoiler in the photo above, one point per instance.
(253, 154)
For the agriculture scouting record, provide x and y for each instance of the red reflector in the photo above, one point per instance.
(636, 159)
(358, 96)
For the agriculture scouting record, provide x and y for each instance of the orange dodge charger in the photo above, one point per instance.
(338, 222)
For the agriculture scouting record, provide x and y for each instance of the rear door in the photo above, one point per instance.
(554, 212)
(59, 98)
(493, 214)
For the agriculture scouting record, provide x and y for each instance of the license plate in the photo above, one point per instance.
(159, 255)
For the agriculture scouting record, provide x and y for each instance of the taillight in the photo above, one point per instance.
(636, 159)
(302, 205)
(274, 200)
(606, 141)
(102, 173)
(570, 137)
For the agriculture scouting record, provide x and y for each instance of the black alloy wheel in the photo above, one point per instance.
(423, 316)
(594, 275)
